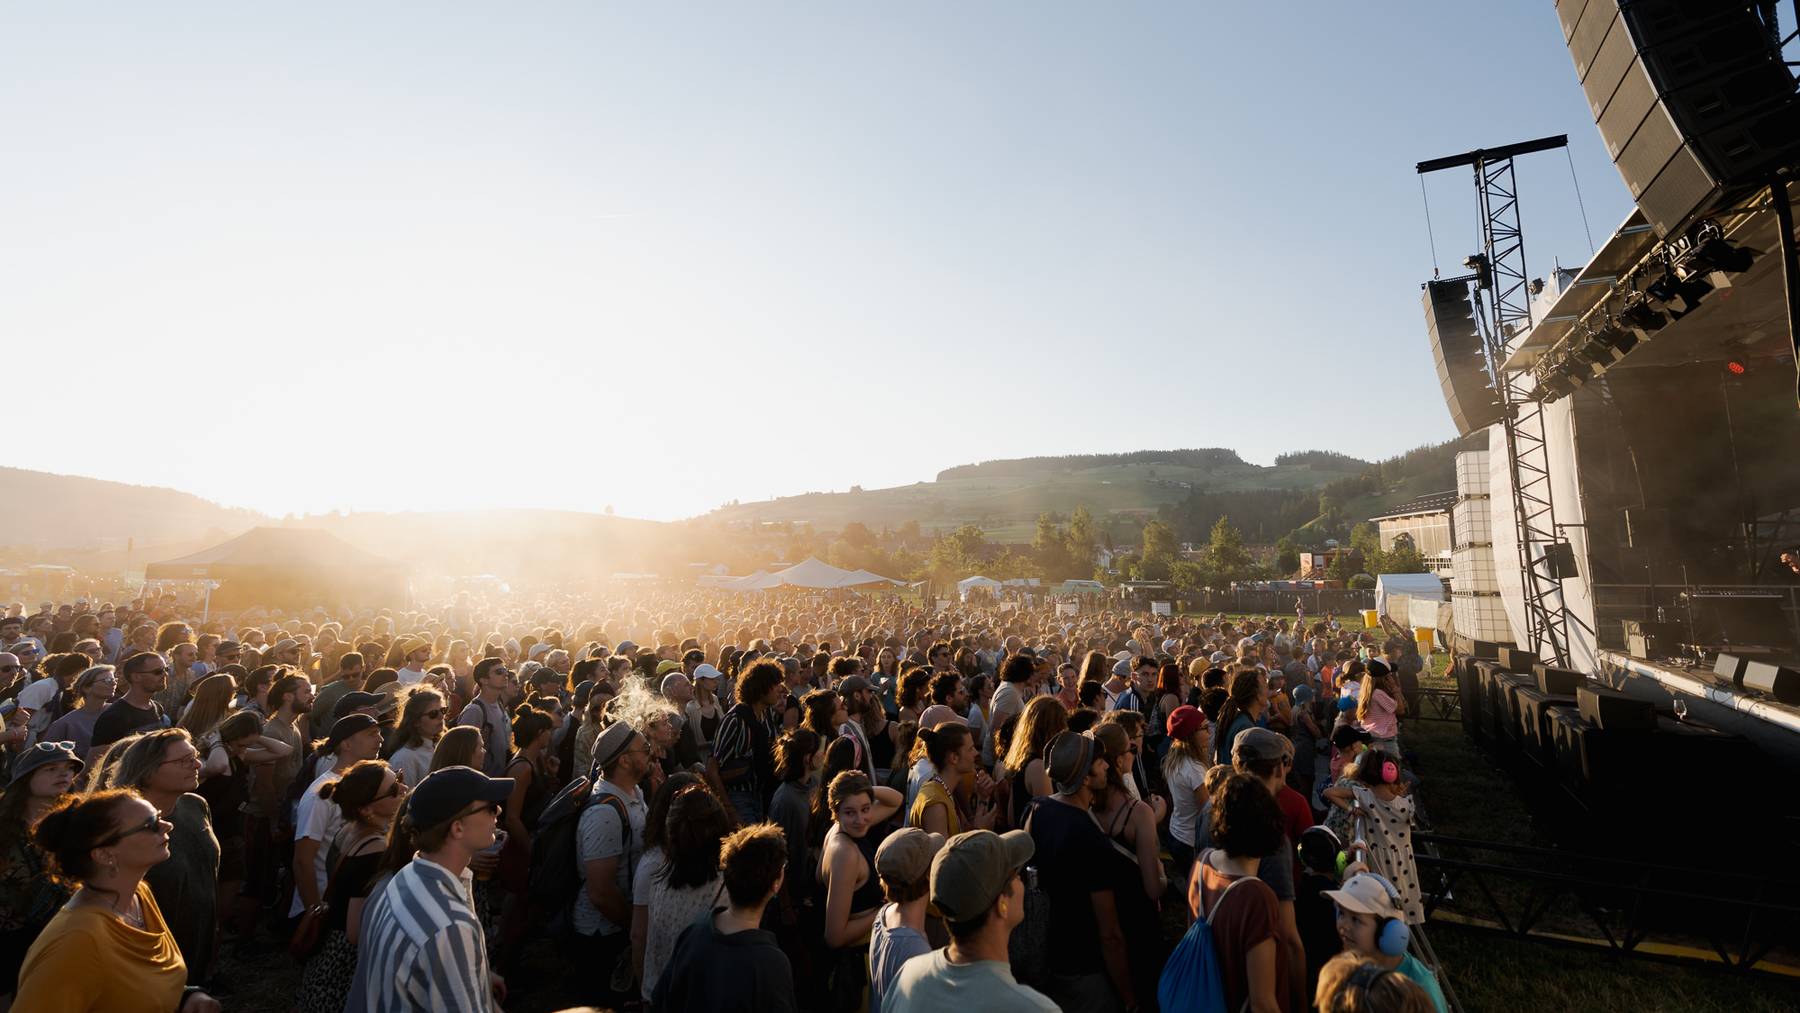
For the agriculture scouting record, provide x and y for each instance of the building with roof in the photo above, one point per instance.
(1427, 520)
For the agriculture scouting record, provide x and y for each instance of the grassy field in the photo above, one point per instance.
(1466, 796)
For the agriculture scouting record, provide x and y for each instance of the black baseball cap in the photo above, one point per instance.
(449, 791)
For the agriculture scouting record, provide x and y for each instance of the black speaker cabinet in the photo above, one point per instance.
(1456, 348)
(1777, 681)
(1612, 711)
(1730, 667)
(1517, 659)
(1557, 681)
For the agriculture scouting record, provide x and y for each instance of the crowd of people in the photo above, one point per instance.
(700, 801)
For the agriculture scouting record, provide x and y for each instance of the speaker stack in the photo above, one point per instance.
(1691, 97)
(1456, 348)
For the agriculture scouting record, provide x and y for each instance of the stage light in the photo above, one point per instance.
(1724, 255)
(1735, 367)
(1678, 296)
(1643, 319)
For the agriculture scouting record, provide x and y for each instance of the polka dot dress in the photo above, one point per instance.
(1387, 826)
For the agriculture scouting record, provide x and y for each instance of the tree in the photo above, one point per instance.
(1159, 541)
(958, 553)
(1050, 547)
(857, 535)
(1082, 539)
(1287, 556)
(1226, 556)
(1404, 557)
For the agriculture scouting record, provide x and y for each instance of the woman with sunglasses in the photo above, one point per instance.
(415, 738)
(28, 897)
(163, 766)
(369, 794)
(108, 949)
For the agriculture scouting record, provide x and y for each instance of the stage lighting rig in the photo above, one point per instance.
(1678, 296)
(1643, 319)
(1483, 271)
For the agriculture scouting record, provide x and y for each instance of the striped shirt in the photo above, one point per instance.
(422, 947)
(740, 745)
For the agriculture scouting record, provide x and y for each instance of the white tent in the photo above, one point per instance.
(1417, 586)
(812, 574)
(967, 584)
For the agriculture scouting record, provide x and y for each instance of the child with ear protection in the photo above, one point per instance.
(1371, 925)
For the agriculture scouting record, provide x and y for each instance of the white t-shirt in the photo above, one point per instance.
(598, 836)
(409, 676)
(1188, 777)
(318, 820)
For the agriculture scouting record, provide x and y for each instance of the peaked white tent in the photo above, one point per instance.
(812, 574)
(967, 584)
(1415, 586)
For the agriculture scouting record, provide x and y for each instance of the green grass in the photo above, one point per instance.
(1466, 796)
(1491, 972)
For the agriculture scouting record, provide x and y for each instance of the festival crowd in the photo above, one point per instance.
(694, 801)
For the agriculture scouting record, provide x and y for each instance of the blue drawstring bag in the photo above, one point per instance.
(1192, 980)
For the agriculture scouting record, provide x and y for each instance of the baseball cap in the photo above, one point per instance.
(348, 725)
(973, 869)
(1122, 667)
(905, 857)
(1260, 744)
(544, 647)
(1366, 893)
(1343, 735)
(706, 672)
(851, 684)
(448, 791)
(285, 644)
(1123, 655)
(354, 700)
(1219, 658)
(665, 667)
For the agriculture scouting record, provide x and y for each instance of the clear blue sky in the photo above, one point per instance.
(435, 255)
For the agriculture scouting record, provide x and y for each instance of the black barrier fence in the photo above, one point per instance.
(1553, 895)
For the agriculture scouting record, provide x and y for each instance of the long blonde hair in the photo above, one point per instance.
(212, 704)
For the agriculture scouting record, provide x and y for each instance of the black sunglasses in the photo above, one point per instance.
(155, 822)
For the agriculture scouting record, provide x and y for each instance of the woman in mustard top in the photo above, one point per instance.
(107, 950)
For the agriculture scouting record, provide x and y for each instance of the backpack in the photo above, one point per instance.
(1028, 949)
(555, 876)
(1192, 980)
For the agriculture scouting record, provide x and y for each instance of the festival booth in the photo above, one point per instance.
(288, 568)
(987, 585)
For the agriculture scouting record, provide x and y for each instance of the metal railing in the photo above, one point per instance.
(1740, 918)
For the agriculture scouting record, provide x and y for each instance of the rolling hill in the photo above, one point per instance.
(1005, 497)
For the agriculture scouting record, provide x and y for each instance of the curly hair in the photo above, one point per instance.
(1246, 821)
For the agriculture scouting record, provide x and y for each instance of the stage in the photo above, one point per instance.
(1774, 727)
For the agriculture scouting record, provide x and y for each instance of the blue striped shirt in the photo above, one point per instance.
(421, 946)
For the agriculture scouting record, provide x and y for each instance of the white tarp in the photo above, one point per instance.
(1423, 586)
(968, 583)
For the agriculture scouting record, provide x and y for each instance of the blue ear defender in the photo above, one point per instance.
(1394, 936)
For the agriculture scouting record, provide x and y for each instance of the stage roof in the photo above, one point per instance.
(1748, 320)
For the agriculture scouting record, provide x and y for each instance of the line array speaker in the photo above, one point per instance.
(1456, 348)
(1691, 97)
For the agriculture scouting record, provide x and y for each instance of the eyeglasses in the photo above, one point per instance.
(396, 791)
(8, 668)
(191, 759)
(152, 671)
(485, 807)
(433, 714)
(54, 747)
(154, 823)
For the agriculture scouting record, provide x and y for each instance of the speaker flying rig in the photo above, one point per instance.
(1505, 312)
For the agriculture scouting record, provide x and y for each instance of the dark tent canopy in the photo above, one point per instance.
(289, 568)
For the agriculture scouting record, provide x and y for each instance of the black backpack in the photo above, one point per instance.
(555, 874)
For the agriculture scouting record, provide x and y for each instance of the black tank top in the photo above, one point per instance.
(881, 749)
(869, 895)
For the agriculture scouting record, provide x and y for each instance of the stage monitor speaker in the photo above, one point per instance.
(1613, 711)
(1488, 650)
(1778, 681)
(1730, 667)
(1557, 681)
(1691, 97)
(1456, 348)
(1517, 659)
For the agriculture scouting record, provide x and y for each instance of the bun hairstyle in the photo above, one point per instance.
(77, 824)
(359, 787)
(941, 742)
(529, 722)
